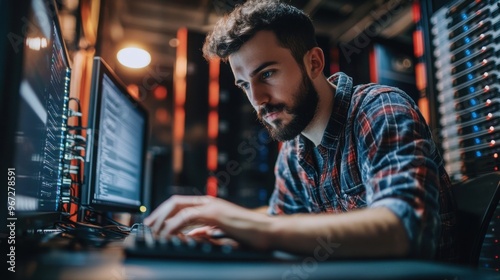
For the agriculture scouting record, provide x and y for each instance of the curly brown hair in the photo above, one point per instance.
(293, 28)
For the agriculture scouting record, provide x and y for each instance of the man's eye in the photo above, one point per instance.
(267, 74)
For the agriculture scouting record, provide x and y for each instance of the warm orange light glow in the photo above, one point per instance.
(212, 157)
(213, 94)
(212, 186)
(133, 57)
(418, 43)
(180, 72)
(213, 86)
(180, 81)
(180, 119)
(213, 125)
(178, 135)
(416, 11)
(423, 105)
(160, 92)
(420, 77)
(133, 89)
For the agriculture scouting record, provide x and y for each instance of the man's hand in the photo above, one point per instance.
(370, 232)
(242, 224)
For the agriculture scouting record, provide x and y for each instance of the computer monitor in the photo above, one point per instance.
(40, 113)
(117, 137)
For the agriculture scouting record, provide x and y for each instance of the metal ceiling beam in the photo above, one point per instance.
(350, 26)
(379, 18)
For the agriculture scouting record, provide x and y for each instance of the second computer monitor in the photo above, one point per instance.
(116, 145)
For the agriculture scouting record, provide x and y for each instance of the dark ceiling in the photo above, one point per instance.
(154, 23)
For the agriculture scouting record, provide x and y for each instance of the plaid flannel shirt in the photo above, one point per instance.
(377, 151)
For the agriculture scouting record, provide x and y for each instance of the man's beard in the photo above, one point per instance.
(303, 109)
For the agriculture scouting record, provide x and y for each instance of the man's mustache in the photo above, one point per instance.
(270, 108)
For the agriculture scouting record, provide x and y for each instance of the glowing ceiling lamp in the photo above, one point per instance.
(134, 57)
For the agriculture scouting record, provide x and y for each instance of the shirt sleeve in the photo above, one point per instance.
(395, 150)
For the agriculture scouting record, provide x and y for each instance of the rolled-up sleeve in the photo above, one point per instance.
(395, 154)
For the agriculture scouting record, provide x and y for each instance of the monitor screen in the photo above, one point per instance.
(116, 145)
(41, 116)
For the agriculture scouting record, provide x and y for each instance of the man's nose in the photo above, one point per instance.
(257, 94)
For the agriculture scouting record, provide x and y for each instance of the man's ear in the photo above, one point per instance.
(315, 62)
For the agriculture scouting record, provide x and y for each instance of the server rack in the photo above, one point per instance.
(463, 83)
(466, 62)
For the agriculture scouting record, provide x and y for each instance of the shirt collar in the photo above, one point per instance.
(338, 118)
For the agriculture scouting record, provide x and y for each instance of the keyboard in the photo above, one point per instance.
(141, 242)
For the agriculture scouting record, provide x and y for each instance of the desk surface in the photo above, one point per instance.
(110, 263)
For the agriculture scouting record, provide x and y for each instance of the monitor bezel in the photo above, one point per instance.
(99, 69)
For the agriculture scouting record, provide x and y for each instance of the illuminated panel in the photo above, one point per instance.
(213, 124)
(466, 57)
(180, 72)
(420, 73)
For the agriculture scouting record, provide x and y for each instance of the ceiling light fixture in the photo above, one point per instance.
(134, 57)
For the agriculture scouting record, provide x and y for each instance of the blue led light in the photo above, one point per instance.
(474, 115)
(477, 141)
(467, 40)
(467, 52)
(478, 153)
(472, 89)
(473, 102)
(476, 128)
(469, 64)
(463, 15)
(465, 28)
(470, 76)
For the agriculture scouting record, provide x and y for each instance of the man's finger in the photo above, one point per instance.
(171, 207)
(183, 218)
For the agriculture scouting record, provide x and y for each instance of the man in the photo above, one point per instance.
(357, 168)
